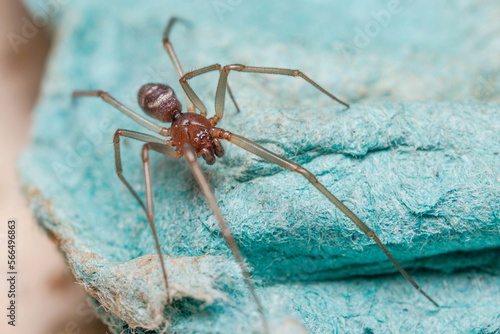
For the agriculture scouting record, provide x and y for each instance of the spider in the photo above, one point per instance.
(193, 135)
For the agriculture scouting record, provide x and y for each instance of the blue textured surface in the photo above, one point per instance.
(423, 175)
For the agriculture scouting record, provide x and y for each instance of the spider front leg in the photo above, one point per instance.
(260, 151)
(192, 95)
(191, 98)
(190, 92)
(156, 144)
(167, 45)
(191, 158)
(220, 95)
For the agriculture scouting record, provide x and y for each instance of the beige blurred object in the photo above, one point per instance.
(48, 300)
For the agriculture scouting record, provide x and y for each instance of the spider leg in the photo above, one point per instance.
(233, 99)
(221, 87)
(260, 151)
(151, 142)
(191, 158)
(167, 45)
(170, 49)
(192, 95)
(149, 196)
(193, 98)
(130, 113)
(190, 92)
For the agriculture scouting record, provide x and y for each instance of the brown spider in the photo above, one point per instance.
(194, 135)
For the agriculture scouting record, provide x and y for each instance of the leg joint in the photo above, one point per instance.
(222, 134)
(214, 120)
(307, 174)
(145, 152)
(165, 132)
(235, 67)
(116, 136)
(102, 94)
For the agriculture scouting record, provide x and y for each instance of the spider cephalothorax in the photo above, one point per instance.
(196, 130)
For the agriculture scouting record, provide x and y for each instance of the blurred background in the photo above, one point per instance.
(48, 300)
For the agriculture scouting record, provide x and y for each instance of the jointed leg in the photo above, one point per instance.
(149, 197)
(192, 95)
(221, 87)
(151, 142)
(175, 61)
(130, 113)
(169, 48)
(232, 98)
(191, 158)
(189, 91)
(285, 163)
(119, 170)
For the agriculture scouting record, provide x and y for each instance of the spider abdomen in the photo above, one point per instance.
(159, 101)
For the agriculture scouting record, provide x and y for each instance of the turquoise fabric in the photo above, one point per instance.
(416, 158)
